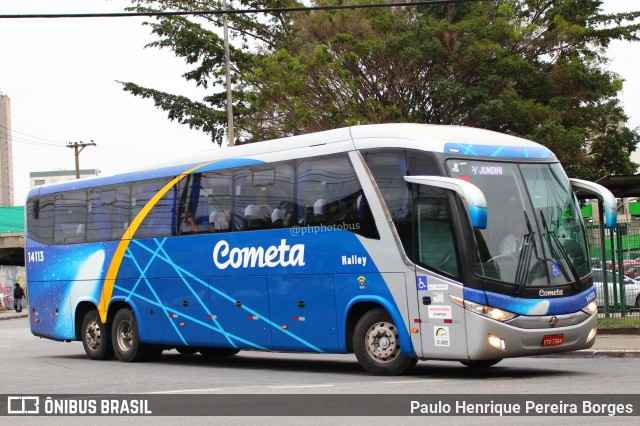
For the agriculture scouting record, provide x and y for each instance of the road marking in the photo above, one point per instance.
(299, 386)
(186, 391)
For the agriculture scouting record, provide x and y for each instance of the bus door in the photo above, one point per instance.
(438, 276)
(437, 279)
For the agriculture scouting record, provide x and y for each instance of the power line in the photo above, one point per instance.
(235, 11)
(19, 139)
(31, 136)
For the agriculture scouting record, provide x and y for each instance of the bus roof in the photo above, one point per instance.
(453, 140)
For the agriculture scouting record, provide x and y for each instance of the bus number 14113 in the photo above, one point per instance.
(36, 256)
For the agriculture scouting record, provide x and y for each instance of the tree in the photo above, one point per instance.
(532, 68)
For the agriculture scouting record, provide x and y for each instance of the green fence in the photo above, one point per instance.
(615, 257)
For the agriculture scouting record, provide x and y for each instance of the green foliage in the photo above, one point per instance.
(532, 68)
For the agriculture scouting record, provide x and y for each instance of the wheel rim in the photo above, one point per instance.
(125, 336)
(381, 342)
(92, 335)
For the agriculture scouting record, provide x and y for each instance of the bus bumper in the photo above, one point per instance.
(490, 339)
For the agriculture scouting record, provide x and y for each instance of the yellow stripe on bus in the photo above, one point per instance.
(116, 261)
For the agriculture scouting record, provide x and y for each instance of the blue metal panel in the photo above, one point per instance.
(241, 309)
(304, 306)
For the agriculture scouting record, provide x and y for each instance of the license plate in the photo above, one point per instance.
(553, 340)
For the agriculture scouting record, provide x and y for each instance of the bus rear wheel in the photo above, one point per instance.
(125, 338)
(95, 337)
(376, 344)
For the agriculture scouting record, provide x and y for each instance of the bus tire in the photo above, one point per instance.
(376, 344)
(95, 337)
(480, 364)
(218, 352)
(125, 338)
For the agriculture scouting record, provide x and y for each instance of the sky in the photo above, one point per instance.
(62, 78)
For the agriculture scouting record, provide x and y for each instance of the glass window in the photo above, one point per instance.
(160, 221)
(107, 213)
(264, 197)
(100, 209)
(560, 218)
(251, 210)
(389, 167)
(70, 217)
(330, 194)
(436, 239)
(121, 211)
(215, 194)
(40, 214)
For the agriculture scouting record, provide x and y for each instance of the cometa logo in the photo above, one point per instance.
(547, 293)
(251, 257)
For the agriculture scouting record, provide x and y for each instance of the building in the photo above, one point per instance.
(53, 176)
(6, 152)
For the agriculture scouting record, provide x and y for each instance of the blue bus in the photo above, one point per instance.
(395, 242)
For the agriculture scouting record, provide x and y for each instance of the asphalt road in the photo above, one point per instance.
(48, 367)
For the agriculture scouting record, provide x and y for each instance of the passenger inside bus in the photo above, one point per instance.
(257, 216)
(282, 215)
(219, 221)
(189, 223)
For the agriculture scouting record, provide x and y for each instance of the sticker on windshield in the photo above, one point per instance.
(556, 272)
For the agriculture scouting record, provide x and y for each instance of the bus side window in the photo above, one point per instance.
(330, 194)
(99, 211)
(435, 236)
(280, 197)
(216, 193)
(41, 212)
(389, 167)
(264, 197)
(121, 212)
(70, 217)
(159, 220)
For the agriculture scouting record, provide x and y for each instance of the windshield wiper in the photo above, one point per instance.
(553, 238)
(524, 260)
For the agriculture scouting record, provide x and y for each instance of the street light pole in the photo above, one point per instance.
(228, 73)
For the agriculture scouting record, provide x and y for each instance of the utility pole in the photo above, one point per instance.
(75, 146)
(228, 74)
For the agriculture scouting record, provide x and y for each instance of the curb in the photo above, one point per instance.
(12, 316)
(604, 353)
(619, 331)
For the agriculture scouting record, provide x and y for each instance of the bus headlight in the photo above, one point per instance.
(487, 311)
(591, 308)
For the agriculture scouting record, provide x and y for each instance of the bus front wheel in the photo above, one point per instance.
(95, 337)
(376, 344)
(125, 338)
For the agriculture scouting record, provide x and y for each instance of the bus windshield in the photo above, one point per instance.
(534, 235)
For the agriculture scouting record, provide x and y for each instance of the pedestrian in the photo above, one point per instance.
(18, 295)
